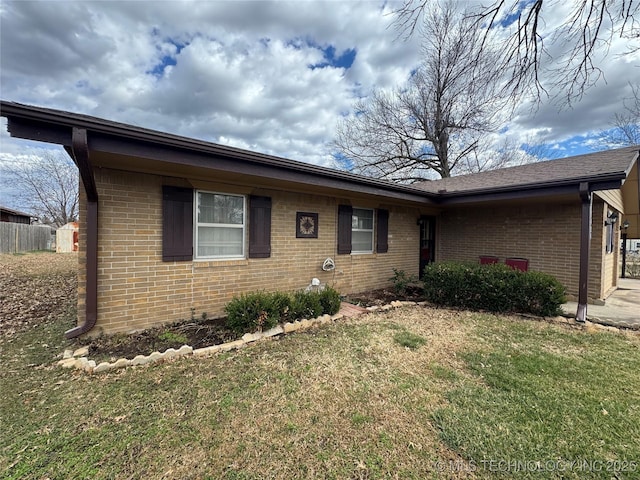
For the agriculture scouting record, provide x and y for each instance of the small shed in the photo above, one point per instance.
(67, 238)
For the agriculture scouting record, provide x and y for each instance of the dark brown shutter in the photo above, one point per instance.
(259, 227)
(345, 214)
(382, 242)
(177, 224)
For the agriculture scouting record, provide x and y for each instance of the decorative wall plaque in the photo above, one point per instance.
(306, 225)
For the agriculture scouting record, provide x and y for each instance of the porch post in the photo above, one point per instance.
(624, 253)
(585, 244)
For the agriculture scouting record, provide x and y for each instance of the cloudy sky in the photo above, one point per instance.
(274, 77)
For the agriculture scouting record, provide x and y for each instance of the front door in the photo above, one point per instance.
(427, 241)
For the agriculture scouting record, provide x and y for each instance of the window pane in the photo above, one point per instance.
(219, 242)
(216, 208)
(362, 219)
(362, 241)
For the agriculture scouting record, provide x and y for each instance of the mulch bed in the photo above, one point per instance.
(203, 333)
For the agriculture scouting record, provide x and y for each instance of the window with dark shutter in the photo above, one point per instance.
(259, 227)
(177, 224)
(382, 242)
(345, 213)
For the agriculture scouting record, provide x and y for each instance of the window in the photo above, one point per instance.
(220, 223)
(362, 231)
(220, 220)
(356, 230)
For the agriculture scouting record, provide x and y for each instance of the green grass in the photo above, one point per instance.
(409, 340)
(546, 398)
(343, 401)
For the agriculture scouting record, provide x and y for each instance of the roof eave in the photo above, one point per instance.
(55, 126)
(522, 192)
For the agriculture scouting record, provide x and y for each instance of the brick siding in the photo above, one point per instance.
(546, 234)
(136, 289)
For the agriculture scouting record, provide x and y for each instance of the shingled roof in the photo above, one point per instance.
(561, 171)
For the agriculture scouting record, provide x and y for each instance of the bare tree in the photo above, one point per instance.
(46, 185)
(437, 121)
(569, 54)
(625, 127)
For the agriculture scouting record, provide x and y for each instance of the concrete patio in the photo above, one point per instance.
(621, 309)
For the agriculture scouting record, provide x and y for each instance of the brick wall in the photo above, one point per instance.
(136, 289)
(546, 234)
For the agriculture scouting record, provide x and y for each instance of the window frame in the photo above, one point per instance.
(197, 224)
(372, 231)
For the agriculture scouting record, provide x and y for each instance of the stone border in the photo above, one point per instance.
(78, 359)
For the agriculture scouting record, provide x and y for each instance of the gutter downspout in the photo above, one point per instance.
(585, 244)
(79, 152)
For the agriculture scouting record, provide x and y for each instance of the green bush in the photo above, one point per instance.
(330, 301)
(257, 310)
(495, 288)
(260, 310)
(305, 305)
(401, 281)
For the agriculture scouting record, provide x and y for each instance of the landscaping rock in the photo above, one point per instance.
(252, 337)
(386, 308)
(373, 308)
(67, 354)
(225, 347)
(154, 357)
(325, 319)
(185, 350)
(407, 303)
(89, 366)
(169, 354)
(103, 367)
(206, 351)
(139, 360)
(305, 324)
(81, 363)
(290, 327)
(67, 362)
(81, 352)
(277, 330)
(123, 362)
(337, 316)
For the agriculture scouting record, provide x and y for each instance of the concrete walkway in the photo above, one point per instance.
(621, 309)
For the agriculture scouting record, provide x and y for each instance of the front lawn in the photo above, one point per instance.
(412, 393)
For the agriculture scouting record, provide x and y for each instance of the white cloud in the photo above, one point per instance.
(237, 73)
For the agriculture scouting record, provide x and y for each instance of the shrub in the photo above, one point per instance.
(258, 310)
(305, 305)
(401, 281)
(330, 301)
(495, 288)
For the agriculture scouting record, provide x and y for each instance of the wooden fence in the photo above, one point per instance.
(17, 237)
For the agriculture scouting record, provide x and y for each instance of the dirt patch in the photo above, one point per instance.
(197, 334)
(35, 288)
(384, 296)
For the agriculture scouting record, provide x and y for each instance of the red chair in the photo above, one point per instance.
(488, 260)
(521, 264)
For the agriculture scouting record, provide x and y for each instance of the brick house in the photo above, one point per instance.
(172, 225)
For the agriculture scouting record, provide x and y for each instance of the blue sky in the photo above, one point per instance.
(274, 77)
